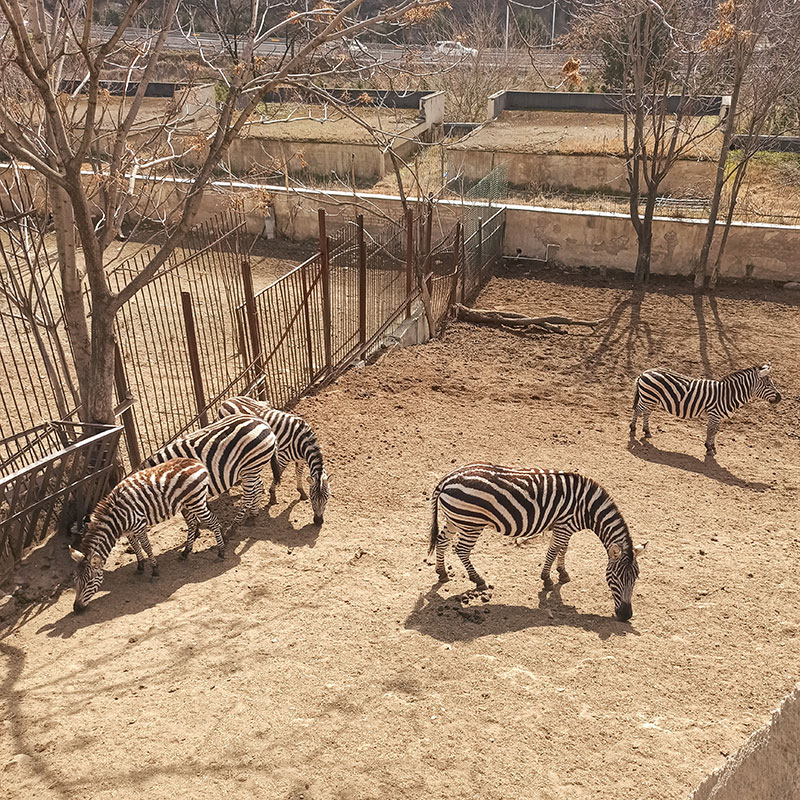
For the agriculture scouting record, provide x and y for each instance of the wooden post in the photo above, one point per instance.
(128, 423)
(409, 258)
(455, 264)
(194, 358)
(362, 282)
(326, 290)
(428, 234)
(253, 329)
(307, 320)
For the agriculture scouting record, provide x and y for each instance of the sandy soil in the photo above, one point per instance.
(326, 663)
(571, 132)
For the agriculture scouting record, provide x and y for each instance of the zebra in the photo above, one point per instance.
(295, 442)
(690, 397)
(139, 501)
(523, 503)
(233, 449)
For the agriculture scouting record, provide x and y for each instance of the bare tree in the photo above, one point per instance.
(756, 47)
(652, 59)
(57, 115)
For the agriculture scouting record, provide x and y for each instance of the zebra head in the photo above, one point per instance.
(621, 574)
(764, 387)
(319, 492)
(88, 577)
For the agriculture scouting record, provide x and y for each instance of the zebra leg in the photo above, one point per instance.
(646, 410)
(466, 541)
(298, 467)
(145, 542)
(209, 520)
(137, 548)
(441, 546)
(191, 532)
(272, 496)
(561, 567)
(252, 489)
(633, 422)
(711, 434)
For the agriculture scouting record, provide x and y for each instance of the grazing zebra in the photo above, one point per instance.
(135, 504)
(690, 397)
(524, 503)
(233, 449)
(295, 442)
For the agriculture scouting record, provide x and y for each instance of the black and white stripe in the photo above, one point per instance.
(138, 502)
(524, 503)
(233, 450)
(295, 442)
(690, 397)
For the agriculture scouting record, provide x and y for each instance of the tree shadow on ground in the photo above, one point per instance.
(621, 341)
(447, 619)
(723, 337)
(709, 466)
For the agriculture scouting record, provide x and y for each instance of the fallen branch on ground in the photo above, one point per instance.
(512, 320)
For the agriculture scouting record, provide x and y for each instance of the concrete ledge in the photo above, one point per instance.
(767, 766)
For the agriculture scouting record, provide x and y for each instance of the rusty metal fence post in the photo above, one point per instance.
(409, 258)
(194, 357)
(128, 422)
(362, 281)
(326, 290)
(253, 329)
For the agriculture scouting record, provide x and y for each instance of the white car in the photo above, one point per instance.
(451, 48)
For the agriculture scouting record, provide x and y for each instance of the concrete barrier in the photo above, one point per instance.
(766, 766)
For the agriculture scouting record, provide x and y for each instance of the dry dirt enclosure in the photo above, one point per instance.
(326, 664)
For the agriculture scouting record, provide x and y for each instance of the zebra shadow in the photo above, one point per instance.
(448, 620)
(279, 529)
(125, 592)
(709, 466)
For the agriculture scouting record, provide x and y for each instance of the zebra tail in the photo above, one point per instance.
(276, 470)
(434, 520)
(636, 395)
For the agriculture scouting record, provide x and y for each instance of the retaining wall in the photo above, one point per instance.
(585, 172)
(767, 766)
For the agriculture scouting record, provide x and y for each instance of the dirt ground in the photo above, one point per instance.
(325, 663)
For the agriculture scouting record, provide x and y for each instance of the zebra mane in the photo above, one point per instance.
(740, 372)
(593, 485)
(102, 512)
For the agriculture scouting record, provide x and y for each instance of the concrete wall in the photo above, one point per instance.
(581, 238)
(767, 766)
(583, 172)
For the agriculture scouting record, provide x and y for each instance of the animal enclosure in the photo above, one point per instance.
(332, 651)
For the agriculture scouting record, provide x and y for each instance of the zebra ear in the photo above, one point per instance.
(614, 552)
(765, 368)
(76, 555)
(96, 561)
(639, 550)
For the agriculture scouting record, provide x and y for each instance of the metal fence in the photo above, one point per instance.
(198, 333)
(66, 483)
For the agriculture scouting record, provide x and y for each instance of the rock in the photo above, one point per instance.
(792, 285)
(7, 604)
(19, 760)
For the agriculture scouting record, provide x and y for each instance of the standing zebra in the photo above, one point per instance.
(295, 442)
(233, 449)
(524, 503)
(690, 397)
(135, 504)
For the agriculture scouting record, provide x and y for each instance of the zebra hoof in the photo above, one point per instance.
(443, 576)
(563, 576)
(303, 495)
(220, 554)
(184, 555)
(648, 435)
(547, 581)
(140, 567)
(155, 577)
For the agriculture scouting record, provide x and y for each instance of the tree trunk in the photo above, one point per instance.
(645, 237)
(711, 227)
(72, 292)
(737, 185)
(101, 388)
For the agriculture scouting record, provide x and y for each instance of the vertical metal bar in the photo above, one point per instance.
(252, 325)
(307, 319)
(480, 248)
(194, 357)
(131, 439)
(362, 282)
(326, 289)
(409, 258)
